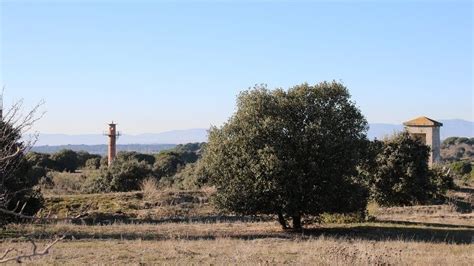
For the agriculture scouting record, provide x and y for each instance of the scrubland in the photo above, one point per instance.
(182, 227)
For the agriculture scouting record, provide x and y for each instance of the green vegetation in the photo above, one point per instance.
(18, 176)
(455, 149)
(291, 153)
(401, 175)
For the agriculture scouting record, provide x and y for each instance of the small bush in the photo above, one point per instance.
(441, 181)
(93, 163)
(401, 176)
(341, 218)
(97, 184)
(461, 168)
(149, 187)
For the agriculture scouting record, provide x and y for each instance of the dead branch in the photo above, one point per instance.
(34, 252)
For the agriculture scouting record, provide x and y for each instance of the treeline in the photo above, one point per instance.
(455, 149)
(171, 168)
(102, 149)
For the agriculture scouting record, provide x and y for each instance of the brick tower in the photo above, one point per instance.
(113, 135)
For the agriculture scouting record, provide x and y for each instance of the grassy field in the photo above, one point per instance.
(182, 227)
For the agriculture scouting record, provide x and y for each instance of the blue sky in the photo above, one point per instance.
(168, 65)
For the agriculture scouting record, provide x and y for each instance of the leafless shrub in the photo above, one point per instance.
(149, 187)
(14, 143)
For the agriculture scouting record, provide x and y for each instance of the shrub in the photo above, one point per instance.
(66, 160)
(167, 164)
(127, 175)
(18, 178)
(93, 163)
(149, 187)
(140, 157)
(401, 175)
(97, 184)
(461, 167)
(441, 181)
(192, 176)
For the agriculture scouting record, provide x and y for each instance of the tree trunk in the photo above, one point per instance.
(297, 222)
(282, 221)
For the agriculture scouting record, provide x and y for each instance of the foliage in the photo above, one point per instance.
(441, 181)
(18, 177)
(192, 176)
(140, 157)
(291, 153)
(92, 163)
(123, 175)
(66, 160)
(149, 187)
(461, 167)
(167, 164)
(458, 140)
(401, 175)
(42, 160)
(83, 157)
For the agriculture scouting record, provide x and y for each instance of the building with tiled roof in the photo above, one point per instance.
(428, 131)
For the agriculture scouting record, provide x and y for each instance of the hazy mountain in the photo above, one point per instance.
(169, 137)
(452, 127)
(102, 149)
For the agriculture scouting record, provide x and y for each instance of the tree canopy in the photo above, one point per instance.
(291, 153)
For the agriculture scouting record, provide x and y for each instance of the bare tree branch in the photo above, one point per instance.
(34, 252)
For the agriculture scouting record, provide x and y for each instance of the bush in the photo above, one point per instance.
(123, 175)
(401, 175)
(192, 176)
(131, 155)
(441, 181)
(167, 164)
(93, 163)
(149, 187)
(97, 184)
(461, 168)
(66, 160)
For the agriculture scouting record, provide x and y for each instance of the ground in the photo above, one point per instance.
(136, 228)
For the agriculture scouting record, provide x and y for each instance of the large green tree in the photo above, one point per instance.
(290, 153)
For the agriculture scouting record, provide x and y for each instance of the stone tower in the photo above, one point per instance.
(113, 135)
(428, 131)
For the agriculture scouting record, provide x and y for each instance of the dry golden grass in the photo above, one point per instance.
(242, 243)
(149, 187)
(420, 235)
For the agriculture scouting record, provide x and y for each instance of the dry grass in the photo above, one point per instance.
(420, 235)
(131, 205)
(149, 187)
(248, 243)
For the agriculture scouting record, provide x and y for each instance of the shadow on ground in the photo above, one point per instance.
(387, 231)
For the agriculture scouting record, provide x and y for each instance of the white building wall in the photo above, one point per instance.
(433, 140)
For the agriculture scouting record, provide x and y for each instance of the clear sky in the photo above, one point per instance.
(169, 65)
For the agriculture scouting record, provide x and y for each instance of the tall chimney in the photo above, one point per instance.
(112, 142)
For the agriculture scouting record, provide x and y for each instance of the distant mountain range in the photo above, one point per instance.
(452, 127)
(168, 137)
